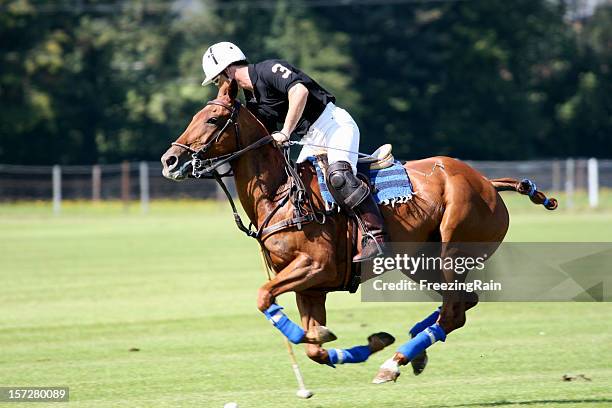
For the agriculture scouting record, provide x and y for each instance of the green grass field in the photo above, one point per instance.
(80, 290)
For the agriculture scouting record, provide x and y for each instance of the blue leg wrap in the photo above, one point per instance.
(357, 354)
(425, 323)
(279, 320)
(421, 341)
(532, 187)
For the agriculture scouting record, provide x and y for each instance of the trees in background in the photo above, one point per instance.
(583, 118)
(97, 84)
(108, 81)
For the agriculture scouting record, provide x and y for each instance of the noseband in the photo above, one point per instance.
(207, 168)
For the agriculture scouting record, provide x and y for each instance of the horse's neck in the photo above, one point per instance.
(259, 174)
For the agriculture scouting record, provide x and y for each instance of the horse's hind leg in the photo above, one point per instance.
(419, 362)
(476, 216)
(312, 311)
(461, 222)
(412, 350)
(422, 335)
(472, 215)
(450, 317)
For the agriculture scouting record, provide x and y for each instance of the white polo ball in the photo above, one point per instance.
(304, 394)
(230, 405)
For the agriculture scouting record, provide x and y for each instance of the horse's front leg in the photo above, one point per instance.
(301, 273)
(313, 314)
(312, 311)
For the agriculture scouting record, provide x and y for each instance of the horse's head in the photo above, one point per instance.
(212, 133)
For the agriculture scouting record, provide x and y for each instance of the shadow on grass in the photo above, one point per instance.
(533, 402)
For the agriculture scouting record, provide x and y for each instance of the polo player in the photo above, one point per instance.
(290, 103)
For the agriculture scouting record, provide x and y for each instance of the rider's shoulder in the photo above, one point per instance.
(269, 64)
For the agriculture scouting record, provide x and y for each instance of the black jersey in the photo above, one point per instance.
(269, 101)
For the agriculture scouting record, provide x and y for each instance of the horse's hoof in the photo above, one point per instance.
(388, 372)
(419, 363)
(379, 341)
(319, 335)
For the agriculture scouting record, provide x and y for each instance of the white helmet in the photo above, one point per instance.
(218, 57)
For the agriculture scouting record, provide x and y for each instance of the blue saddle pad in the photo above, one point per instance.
(391, 185)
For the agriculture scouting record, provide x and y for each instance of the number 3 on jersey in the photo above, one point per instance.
(279, 68)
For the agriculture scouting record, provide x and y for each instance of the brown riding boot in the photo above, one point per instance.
(353, 195)
(374, 237)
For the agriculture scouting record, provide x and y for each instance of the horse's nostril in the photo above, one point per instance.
(171, 161)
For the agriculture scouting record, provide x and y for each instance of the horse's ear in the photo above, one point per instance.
(228, 90)
(232, 92)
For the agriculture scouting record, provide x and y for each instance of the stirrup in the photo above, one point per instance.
(379, 249)
(371, 236)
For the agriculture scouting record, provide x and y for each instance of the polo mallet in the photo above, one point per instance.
(300, 143)
(302, 392)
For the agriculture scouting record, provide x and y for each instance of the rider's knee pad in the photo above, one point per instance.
(344, 186)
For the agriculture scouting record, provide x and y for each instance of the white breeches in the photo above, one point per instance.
(335, 128)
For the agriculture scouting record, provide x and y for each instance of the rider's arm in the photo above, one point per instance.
(282, 76)
(298, 95)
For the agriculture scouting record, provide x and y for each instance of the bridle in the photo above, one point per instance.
(207, 168)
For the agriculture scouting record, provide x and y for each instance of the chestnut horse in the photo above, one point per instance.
(454, 203)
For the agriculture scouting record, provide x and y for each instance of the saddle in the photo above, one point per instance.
(380, 159)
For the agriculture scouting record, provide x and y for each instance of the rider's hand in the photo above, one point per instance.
(280, 138)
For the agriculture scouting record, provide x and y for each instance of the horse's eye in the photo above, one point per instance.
(213, 120)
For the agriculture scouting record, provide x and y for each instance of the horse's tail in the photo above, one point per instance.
(525, 187)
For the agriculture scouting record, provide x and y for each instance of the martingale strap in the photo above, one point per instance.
(247, 230)
(264, 231)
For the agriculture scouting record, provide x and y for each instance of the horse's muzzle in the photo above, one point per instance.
(174, 164)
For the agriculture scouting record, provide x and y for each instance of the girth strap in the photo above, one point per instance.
(290, 222)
